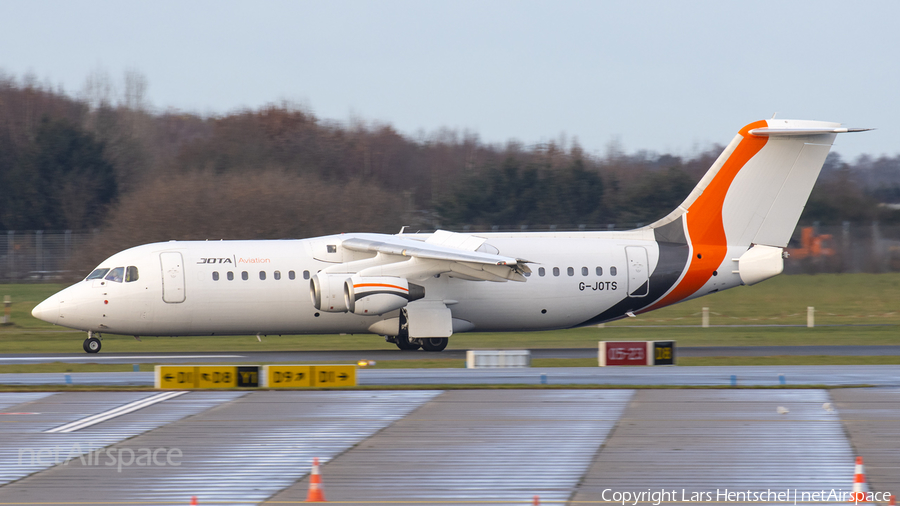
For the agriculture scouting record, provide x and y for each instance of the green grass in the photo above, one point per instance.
(24, 298)
(839, 299)
(66, 367)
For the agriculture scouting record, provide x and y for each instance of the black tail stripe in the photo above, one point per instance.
(673, 260)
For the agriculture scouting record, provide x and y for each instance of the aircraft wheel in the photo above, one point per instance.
(91, 345)
(434, 343)
(404, 343)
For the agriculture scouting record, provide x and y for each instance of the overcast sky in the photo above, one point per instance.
(663, 76)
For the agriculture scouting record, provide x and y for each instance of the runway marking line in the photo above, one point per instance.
(115, 412)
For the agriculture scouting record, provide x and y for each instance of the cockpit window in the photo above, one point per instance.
(116, 274)
(97, 274)
(131, 274)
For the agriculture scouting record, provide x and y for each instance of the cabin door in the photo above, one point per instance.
(172, 276)
(638, 271)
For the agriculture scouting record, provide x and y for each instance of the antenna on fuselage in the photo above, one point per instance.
(402, 229)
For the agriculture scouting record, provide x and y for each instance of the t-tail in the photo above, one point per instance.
(742, 213)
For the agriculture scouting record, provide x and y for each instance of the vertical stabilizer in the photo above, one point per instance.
(768, 194)
(752, 195)
(757, 188)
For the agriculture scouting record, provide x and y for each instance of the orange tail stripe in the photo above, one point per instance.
(706, 231)
(381, 285)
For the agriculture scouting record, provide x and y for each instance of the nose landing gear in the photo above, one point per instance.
(92, 343)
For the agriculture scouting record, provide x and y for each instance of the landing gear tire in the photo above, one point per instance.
(405, 344)
(92, 345)
(434, 343)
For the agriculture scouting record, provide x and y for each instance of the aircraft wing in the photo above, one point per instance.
(444, 252)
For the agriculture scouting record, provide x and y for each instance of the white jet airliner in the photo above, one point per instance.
(418, 289)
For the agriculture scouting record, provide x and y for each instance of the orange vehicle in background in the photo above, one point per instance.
(811, 245)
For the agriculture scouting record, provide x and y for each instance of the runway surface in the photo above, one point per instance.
(831, 375)
(445, 447)
(353, 356)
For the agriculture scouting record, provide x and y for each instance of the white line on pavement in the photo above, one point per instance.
(112, 413)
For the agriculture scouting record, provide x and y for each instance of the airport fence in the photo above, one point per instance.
(38, 256)
(56, 256)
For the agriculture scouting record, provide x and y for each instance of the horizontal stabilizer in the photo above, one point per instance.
(780, 132)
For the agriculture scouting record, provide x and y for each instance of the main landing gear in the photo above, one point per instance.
(92, 343)
(426, 343)
(404, 342)
(433, 343)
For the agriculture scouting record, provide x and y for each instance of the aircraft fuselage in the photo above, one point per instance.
(249, 287)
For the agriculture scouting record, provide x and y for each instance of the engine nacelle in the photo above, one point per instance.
(327, 292)
(376, 295)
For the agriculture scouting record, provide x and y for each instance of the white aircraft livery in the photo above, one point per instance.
(418, 289)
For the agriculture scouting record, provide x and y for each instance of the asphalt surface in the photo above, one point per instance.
(353, 356)
(700, 441)
(439, 447)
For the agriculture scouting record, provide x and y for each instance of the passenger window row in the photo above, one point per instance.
(116, 274)
(571, 271)
(262, 275)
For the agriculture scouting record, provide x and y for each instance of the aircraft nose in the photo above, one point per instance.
(47, 310)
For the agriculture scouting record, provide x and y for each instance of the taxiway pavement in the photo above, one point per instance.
(445, 447)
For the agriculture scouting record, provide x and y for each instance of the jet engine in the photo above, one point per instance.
(327, 292)
(376, 295)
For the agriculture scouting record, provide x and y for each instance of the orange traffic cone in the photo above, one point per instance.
(194, 501)
(316, 494)
(859, 482)
(537, 501)
(893, 501)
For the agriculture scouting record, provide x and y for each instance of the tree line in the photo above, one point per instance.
(105, 160)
